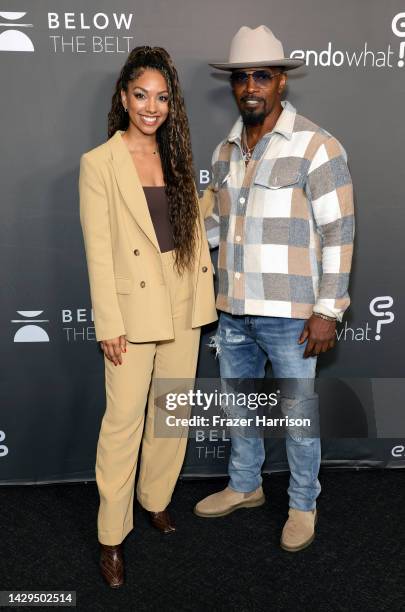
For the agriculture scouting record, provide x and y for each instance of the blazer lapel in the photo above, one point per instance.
(130, 186)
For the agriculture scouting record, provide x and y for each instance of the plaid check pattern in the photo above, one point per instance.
(284, 224)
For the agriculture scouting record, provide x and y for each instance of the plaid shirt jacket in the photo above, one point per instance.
(284, 224)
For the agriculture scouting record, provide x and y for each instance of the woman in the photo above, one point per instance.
(151, 288)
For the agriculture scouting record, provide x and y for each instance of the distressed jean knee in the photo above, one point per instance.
(301, 410)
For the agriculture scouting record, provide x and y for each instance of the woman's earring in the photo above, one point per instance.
(126, 110)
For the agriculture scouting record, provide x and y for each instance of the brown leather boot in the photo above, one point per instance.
(162, 521)
(112, 565)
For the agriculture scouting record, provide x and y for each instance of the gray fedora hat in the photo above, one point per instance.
(251, 48)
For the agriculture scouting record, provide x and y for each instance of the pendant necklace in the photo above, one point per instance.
(247, 151)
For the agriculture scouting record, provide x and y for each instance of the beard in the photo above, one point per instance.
(253, 116)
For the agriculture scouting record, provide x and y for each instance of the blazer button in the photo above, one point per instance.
(136, 252)
(204, 268)
(143, 284)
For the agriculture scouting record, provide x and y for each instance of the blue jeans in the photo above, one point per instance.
(244, 344)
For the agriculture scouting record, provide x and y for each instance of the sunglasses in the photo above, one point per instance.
(260, 77)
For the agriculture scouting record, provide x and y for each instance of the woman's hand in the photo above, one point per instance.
(114, 348)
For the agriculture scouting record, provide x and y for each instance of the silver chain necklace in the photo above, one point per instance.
(247, 151)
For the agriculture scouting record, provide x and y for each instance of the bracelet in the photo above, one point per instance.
(323, 316)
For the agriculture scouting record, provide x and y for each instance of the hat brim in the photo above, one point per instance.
(286, 63)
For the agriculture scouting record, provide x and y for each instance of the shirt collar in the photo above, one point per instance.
(284, 125)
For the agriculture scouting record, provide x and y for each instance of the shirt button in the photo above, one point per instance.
(142, 284)
(136, 252)
(238, 238)
(237, 274)
(204, 268)
(242, 200)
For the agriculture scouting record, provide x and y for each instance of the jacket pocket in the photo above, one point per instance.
(284, 177)
(123, 285)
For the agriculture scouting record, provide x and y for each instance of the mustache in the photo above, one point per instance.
(255, 98)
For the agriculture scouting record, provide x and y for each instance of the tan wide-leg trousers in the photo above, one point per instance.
(125, 425)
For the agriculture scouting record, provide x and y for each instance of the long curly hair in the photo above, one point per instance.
(173, 138)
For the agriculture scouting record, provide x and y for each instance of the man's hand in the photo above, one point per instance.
(114, 348)
(320, 336)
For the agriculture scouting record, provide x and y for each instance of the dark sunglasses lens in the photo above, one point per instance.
(238, 77)
(261, 76)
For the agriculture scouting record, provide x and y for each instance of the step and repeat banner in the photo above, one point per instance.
(59, 62)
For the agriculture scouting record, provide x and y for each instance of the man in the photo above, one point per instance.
(282, 213)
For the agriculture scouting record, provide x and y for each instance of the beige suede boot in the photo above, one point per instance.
(299, 530)
(226, 501)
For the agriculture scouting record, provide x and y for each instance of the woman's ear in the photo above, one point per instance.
(124, 99)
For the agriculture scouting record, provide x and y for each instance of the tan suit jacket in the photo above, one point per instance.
(128, 290)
